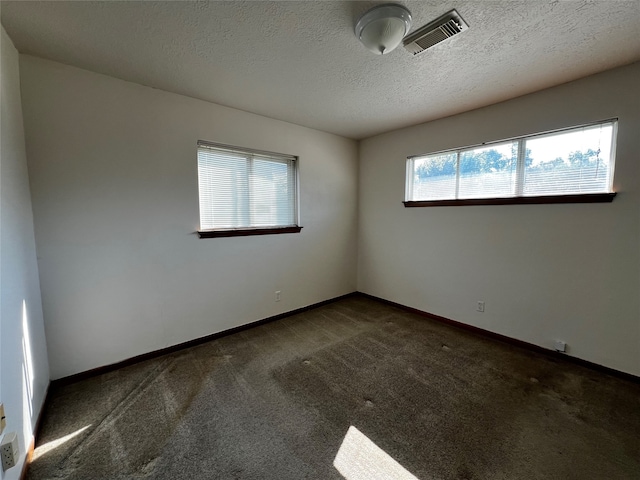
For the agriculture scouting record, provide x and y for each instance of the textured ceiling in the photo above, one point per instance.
(300, 61)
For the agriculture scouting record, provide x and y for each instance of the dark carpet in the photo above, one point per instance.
(277, 402)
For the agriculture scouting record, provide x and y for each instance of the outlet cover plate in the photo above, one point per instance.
(9, 450)
(560, 346)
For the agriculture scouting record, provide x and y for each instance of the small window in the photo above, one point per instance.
(246, 192)
(567, 163)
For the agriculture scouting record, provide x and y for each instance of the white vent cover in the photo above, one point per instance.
(448, 25)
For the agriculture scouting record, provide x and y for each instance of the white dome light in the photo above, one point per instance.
(382, 28)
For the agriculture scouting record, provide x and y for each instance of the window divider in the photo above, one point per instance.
(520, 164)
(250, 187)
(458, 175)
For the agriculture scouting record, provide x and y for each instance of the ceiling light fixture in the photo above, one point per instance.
(382, 28)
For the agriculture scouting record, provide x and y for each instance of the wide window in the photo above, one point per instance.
(574, 164)
(246, 192)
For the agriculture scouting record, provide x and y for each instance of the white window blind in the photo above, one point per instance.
(488, 172)
(578, 161)
(568, 162)
(242, 188)
(434, 177)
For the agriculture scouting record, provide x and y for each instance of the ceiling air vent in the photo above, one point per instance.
(448, 25)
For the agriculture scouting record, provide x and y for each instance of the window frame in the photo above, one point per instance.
(518, 197)
(253, 230)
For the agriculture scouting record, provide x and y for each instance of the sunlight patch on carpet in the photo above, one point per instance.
(360, 459)
(47, 447)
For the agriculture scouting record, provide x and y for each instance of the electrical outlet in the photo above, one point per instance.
(9, 450)
(277, 295)
(3, 420)
(560, 346)
(480, 307)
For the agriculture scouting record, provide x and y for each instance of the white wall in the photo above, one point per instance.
(115, 198)
(546, 272)
(24, 371)
(114, 184)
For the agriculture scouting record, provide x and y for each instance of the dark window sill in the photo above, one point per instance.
(581, 198)
(244, 232)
